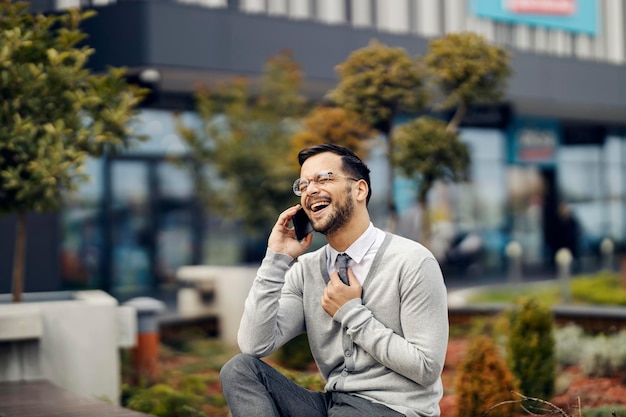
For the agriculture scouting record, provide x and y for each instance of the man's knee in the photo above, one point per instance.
(239, 365)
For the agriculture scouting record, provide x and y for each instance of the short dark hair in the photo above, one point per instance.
(351, 163)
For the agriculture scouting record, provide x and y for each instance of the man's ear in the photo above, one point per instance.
(362, 190)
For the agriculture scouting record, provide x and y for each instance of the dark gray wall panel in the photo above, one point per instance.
(191, 43)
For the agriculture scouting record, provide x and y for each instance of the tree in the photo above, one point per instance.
(484, 384)
(427, 152)
(245, 138)
(531, 347)
(335, 125)
(379, 82)
(466, 70)
(54, 114)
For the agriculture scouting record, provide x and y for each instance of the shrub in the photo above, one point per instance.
(295, 354)
(568, 344)
(162, 400)
(604, 355)
(596, 357)
(312, 381)
(484, 381)
(530, 348)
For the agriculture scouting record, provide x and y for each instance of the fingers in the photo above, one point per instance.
(336, 293)
(352, 279)
(308, 239)
(285, 217)
(283, 237)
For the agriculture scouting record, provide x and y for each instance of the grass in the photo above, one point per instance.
(545, 293)
(603, 288)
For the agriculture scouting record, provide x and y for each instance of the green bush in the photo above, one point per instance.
(531, 348)
(296, 354)
(312, 381)
(163, 400)
(603, 288)
(483, 381)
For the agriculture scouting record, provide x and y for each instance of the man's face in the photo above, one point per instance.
(329, 205)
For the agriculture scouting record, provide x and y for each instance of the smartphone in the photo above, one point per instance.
(301, 224)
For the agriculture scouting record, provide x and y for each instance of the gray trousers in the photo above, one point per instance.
(253, 388)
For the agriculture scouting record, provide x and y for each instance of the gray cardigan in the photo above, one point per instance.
(389, 346)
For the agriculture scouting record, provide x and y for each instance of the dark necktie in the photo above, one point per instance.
(342, 267)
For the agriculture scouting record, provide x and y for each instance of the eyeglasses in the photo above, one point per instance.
(301, 185)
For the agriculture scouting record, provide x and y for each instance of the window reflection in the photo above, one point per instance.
(130, 213)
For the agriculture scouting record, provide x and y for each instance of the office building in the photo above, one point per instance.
(559, 136)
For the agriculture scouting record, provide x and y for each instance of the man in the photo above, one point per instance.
(380, 342)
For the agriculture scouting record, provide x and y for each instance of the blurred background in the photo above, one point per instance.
(556, 143)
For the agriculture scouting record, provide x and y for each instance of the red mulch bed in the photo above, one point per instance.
(588, 391)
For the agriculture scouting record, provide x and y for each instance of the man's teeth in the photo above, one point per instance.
(318, 206)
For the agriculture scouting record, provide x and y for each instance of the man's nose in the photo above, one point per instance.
(312, 188)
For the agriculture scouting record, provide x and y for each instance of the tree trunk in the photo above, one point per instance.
(459, 114)
(391, 200)
(19, 257)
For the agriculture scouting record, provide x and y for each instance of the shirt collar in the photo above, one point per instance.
(358, 249)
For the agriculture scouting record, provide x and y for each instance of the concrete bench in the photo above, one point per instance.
(215, 291)
(71, 339)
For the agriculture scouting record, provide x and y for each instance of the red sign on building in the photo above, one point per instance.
(551, 7)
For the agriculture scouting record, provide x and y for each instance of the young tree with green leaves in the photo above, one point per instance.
(466, 70)
(427, 152)
(53, 115)
(245, 137)
(379, 82)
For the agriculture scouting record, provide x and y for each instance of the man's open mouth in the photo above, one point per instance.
(319, 205)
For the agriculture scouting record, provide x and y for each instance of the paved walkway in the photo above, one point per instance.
(43, 399)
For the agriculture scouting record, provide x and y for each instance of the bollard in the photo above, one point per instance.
(146, 351)
(514, 253)
(607, 247)
(564, 259)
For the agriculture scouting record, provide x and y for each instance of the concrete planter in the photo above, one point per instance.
(215, 291)
(71, 339)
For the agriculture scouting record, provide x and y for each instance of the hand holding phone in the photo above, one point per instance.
(301, 224)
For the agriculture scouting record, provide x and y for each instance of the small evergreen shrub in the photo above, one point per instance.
(483, 381)
(530, 348)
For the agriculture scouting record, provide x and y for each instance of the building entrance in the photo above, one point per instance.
(152, 222)
(532, 201)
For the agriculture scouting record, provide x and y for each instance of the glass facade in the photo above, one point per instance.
(593, 181)
(139, 219)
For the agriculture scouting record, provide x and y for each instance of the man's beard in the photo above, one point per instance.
(339, 217)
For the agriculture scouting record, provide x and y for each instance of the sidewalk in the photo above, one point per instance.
(43, 399)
